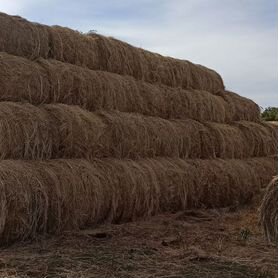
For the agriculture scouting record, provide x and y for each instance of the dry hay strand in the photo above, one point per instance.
(102, 53)
(64, 131)
(50, 81)
(39, 197)
(269, 211)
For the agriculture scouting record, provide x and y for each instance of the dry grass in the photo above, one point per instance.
(64, 131)
(56, 195)
(269, 211)
(189, 244)
(50, 81)
(23, 38)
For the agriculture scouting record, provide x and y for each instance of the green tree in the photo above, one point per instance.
(270, 114)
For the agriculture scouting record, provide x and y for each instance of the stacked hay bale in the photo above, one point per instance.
(94, 130)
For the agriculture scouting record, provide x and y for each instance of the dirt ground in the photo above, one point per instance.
(200, 243)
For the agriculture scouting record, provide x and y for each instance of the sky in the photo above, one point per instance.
(237, 38)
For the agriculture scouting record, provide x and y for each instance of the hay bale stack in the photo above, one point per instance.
(48, 81)
(57, 195)
(94, 130)
(64, 131)
(269, 211)
(23, 38)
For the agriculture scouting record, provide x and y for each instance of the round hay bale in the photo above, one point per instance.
(240, 107)
(269, 211)
(261, 137)
(23, 38)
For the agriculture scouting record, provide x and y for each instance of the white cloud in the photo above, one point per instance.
(235, 40)
(10, 7)
(15, 7)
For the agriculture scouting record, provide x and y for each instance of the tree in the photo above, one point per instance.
(270, 114)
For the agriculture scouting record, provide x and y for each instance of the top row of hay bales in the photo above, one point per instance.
(96, 52)
(98, 72)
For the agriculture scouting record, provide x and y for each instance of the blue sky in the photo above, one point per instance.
(238, 38)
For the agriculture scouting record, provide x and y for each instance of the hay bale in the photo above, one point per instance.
(50, 131)
(261, 137)
(241, 107)
(72, 47)
(50, 81)
(23, 38)
(64, 131)
(225, 140)
(39, 197)
(26, 131)
(269, 211)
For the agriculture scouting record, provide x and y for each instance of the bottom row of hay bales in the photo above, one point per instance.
(39, 197)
